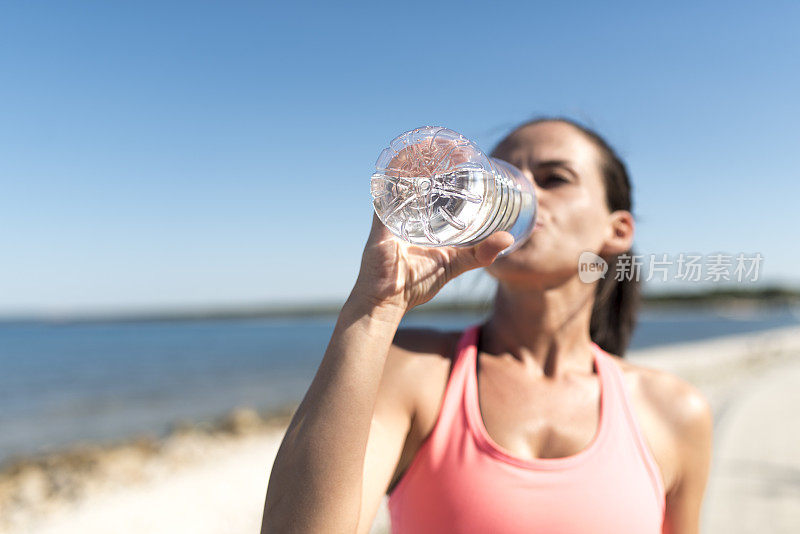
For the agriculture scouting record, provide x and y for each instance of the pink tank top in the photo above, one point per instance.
(461, 481)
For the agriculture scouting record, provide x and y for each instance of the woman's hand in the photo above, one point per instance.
(398, 275)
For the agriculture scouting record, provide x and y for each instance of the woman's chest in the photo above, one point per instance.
(537, 420)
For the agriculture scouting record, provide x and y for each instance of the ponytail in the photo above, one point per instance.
(616, 304)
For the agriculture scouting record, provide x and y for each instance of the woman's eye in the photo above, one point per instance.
(555, 179)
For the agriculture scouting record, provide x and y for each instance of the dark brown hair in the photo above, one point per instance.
(618, 295)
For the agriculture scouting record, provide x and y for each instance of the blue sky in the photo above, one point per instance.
(174, 154)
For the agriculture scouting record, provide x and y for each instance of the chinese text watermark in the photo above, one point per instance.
(684, 267)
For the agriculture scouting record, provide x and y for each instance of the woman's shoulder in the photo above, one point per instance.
(420, 361)
(680, 402)
(426, 342)
(675, 415)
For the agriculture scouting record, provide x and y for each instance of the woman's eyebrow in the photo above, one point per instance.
(553, 163)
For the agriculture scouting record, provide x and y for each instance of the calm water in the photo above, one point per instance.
(92, 382)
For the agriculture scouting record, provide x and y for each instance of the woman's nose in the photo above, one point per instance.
(540, 195)
(537, 190)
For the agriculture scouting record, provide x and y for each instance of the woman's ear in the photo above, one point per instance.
(620, 233)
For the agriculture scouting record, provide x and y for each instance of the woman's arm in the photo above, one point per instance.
(316, 480)
(692, 422)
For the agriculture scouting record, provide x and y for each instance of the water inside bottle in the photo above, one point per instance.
(433, 187)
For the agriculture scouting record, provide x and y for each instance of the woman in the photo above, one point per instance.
(527, 422)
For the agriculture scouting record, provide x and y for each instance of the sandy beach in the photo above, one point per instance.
(212, 480)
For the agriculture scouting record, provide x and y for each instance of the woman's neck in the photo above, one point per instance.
(547, 331)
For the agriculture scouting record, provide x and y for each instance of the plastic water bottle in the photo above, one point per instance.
(434, 187)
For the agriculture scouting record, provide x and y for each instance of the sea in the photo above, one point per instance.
(67, 383)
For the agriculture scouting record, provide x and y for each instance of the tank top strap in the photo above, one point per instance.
(610, 391)
(468, 341)
(463, 362)
(451, 418)
(625, 420)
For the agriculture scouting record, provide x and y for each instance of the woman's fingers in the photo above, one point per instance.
(463, 259)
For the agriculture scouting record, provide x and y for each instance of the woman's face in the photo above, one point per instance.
(564, 166)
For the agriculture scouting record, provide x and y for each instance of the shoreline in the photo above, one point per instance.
(237, 421)
(225, 463)
(752, 300)
(50, 479)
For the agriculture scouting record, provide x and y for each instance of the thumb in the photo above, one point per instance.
(483, 253)
(378, 232)
(487, 250)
